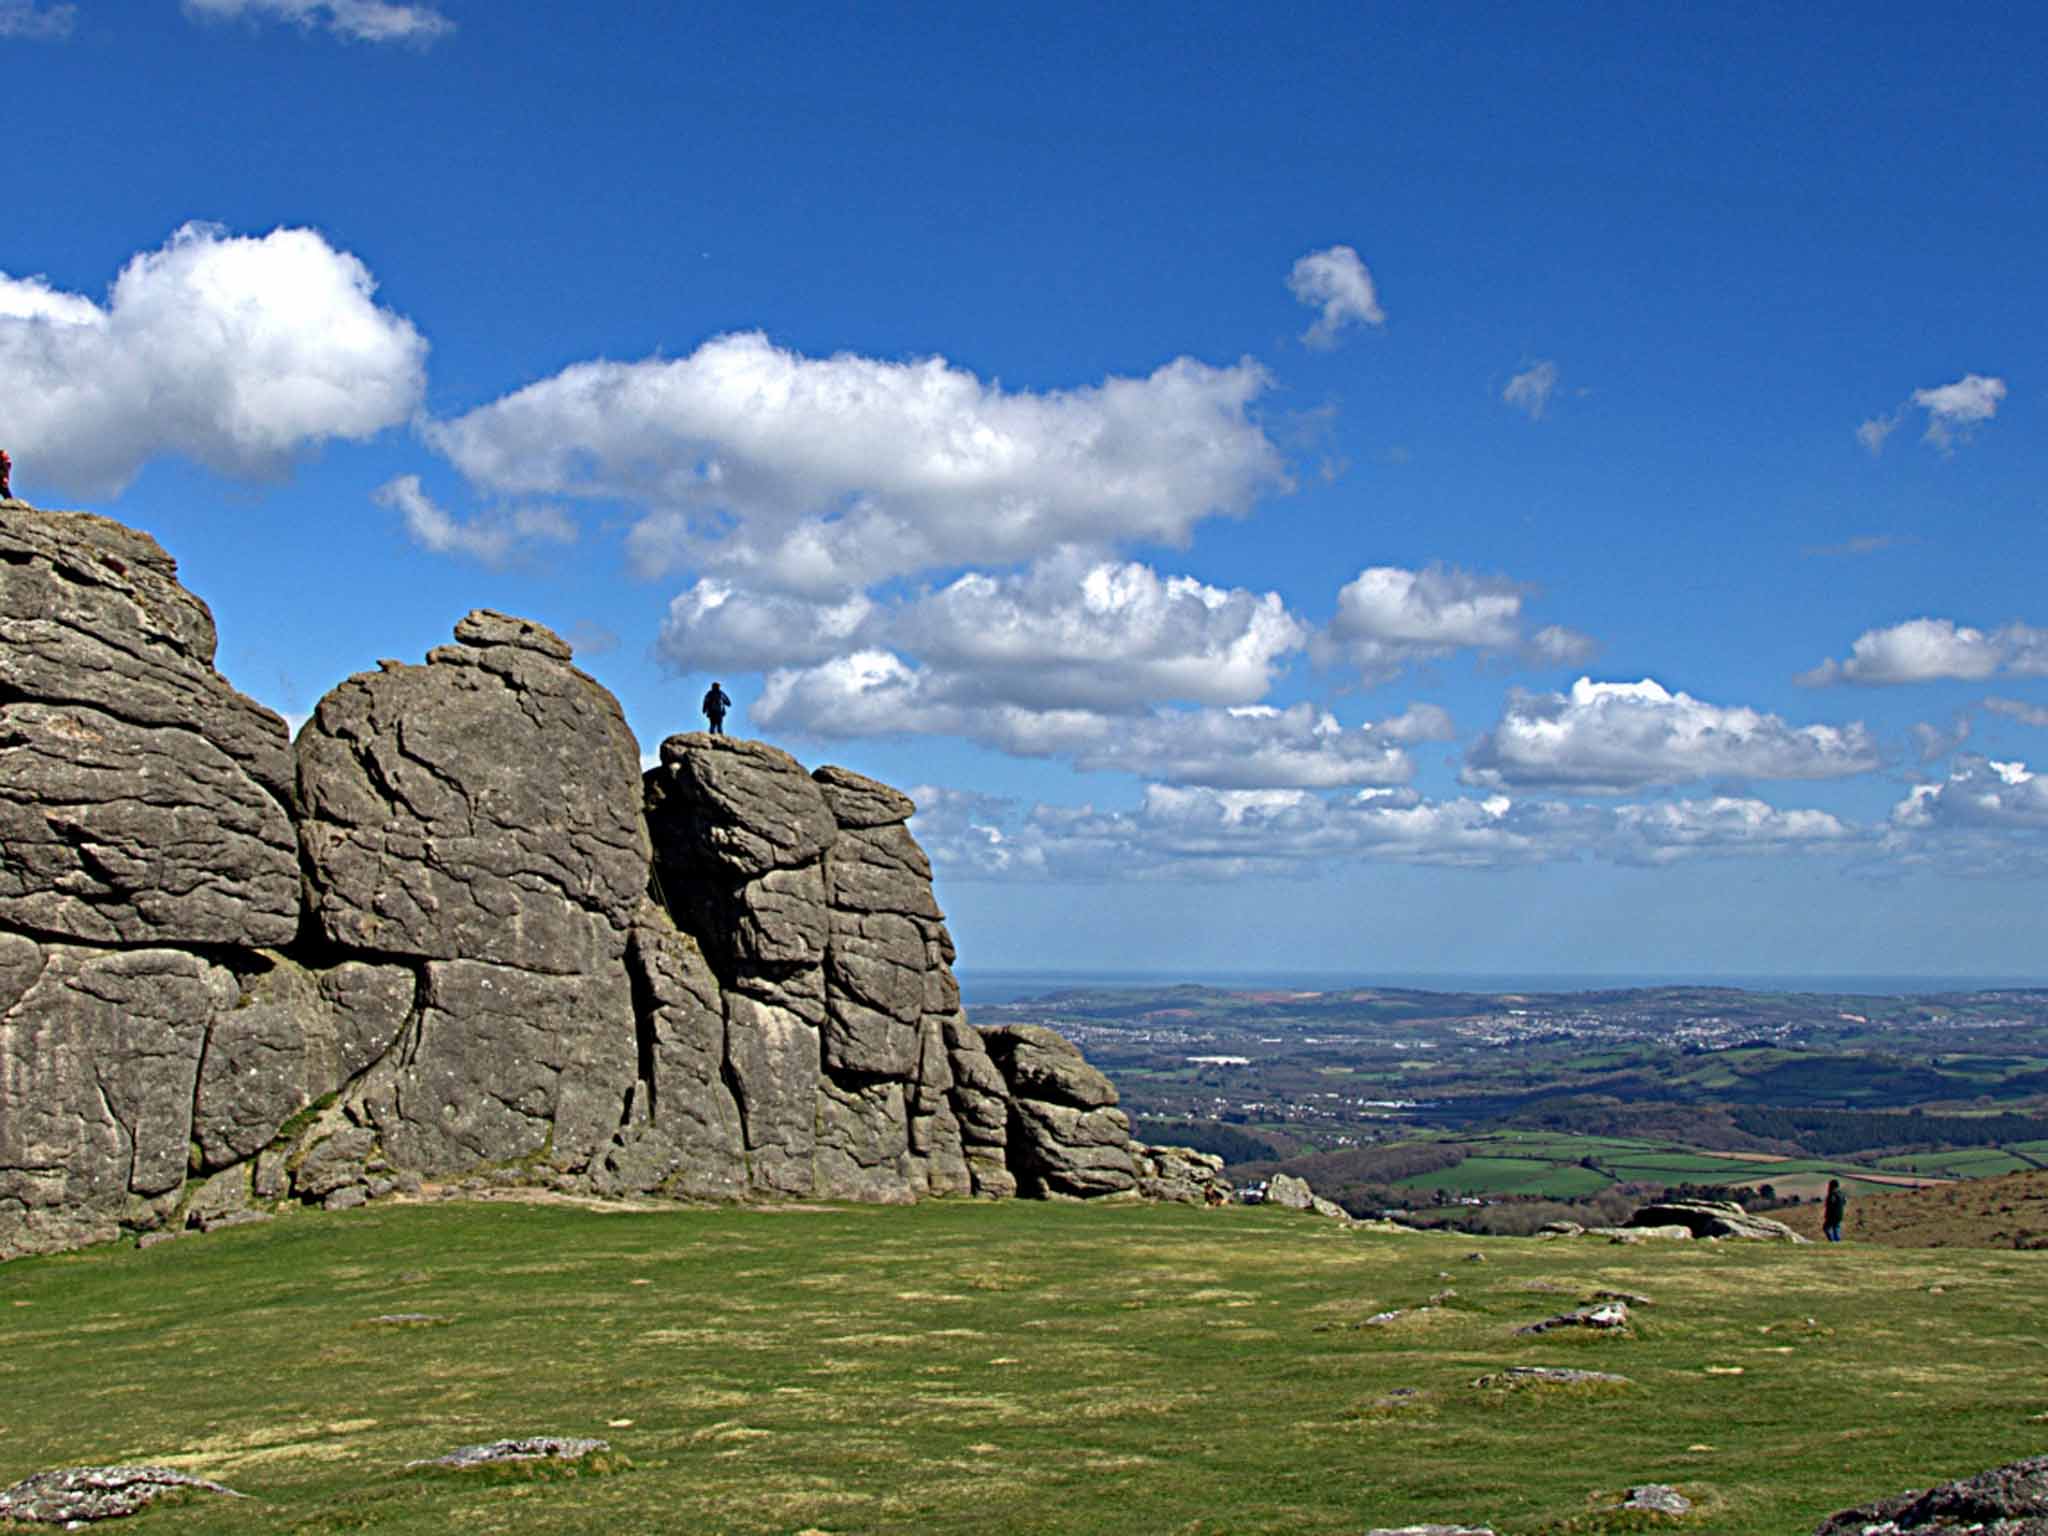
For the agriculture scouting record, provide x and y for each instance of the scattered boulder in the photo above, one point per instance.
(1289, 1193)
(2011, 1500)
(81, 1496)
(1711, 1218)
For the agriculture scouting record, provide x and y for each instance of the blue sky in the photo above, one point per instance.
(1388, 488)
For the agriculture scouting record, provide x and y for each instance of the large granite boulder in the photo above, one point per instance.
(142, 799)
(485, 807)
(1712, 1218)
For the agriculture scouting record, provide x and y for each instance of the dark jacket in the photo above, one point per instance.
(715, 701)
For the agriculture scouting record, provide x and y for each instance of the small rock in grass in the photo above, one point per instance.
(1657, 1499)
(533, 1448)
(407, 1320)
(151, 1239)
(77, 1496)
(1549, 1376)
(1475, 1258)
(1609, 1316)
(1430, 1530)
(1627, 1298)
(346, 1199)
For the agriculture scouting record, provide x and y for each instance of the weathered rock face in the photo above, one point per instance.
(842, 1022)
(142, 799)
(1067, 1136)
(456, 931)
(482, 807)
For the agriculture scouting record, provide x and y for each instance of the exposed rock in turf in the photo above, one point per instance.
(79, 1496)
(1712, 1218)
(2011, 1500)
(1609, 1316)
(1657, 1499)
(1548, 1376)
(1430, 1530)
(532, 1448)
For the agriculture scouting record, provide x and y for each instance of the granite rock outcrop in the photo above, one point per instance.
(454, 931)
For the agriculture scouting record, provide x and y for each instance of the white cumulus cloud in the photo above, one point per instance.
(1336, 283)
(1388, 617)
(1924, 650)
(1198, 832)
(1954, 411)
(1986, 818)
(1530, 390)
(238, 352)
(495, 538)
(1609, 738)
(1071, 630)
(827, 474)
(367, 21)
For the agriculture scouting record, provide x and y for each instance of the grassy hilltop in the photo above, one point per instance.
(1005, 1368)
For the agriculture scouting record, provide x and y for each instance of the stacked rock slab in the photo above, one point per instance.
(814, 908)
(1067, 1137)
(455, 931)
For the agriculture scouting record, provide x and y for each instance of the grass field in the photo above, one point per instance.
(1022, 1367)
(1552, 1165)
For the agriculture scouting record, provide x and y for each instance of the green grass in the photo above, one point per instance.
(1963, 1163)
(960, 1367)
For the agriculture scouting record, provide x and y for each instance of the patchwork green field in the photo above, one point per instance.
(1562, 1167)
(1005, 1368)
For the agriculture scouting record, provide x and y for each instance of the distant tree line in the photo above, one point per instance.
(1224, 1141)
(1840, 1132)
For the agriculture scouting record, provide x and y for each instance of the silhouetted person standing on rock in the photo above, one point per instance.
(6, 469)
(715, 705)
(1833, 1211)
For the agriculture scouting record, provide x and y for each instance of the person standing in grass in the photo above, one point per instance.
(1833, 1211)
